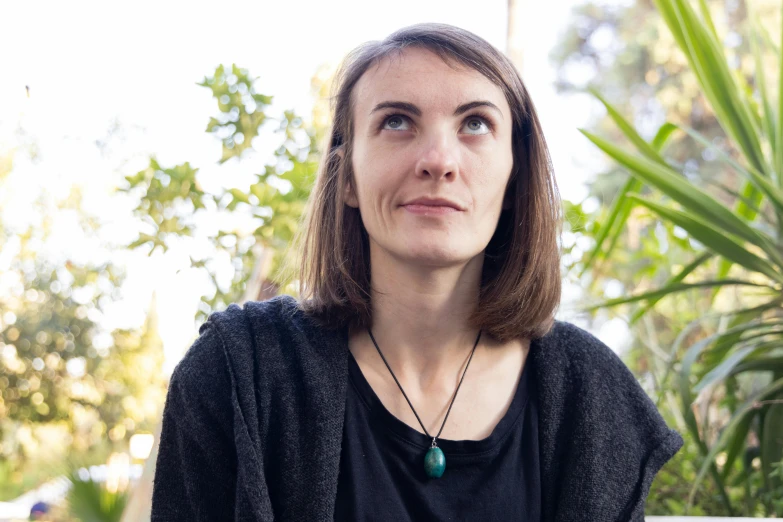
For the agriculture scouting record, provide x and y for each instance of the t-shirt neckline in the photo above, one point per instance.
(387, 420)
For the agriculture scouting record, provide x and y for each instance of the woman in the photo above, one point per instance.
(421, 376)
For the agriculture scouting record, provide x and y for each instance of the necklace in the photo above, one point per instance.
(434, 460)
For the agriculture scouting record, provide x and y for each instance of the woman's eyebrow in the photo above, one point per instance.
(411, 108)
(403, 106)
(465, 107)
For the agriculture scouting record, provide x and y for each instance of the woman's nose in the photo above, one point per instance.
(439, 156)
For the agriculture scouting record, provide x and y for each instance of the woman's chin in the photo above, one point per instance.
(435, 256)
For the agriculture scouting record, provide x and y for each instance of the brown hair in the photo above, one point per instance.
(520, 282)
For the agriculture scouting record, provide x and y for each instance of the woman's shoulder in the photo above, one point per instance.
(255, 338)
(571, 349)
(234, 329)
(578, 374)
(581, 377)
(280, 313)
(262, 324)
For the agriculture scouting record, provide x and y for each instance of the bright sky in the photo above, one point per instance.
(89, 64)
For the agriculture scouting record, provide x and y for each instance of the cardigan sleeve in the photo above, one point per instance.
(195, 476)
(602, 439)
(631, 437)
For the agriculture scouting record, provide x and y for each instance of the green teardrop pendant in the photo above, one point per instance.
(435, 463)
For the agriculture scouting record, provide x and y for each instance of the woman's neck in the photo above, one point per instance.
(420, 319)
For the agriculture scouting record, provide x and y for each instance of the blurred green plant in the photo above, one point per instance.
(625, 51)
(171, 198)
(730, 359)
(91, 501)
(67, 386)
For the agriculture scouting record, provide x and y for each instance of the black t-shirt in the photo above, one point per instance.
(382, 474)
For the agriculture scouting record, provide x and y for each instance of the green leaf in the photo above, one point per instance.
(669, 289)
(621, 207)
(615, 221)
(774, 194)
(724, 369)
(739, 326)
(765, 37)
(89, 501)
(696, 201)
(630, 133)
(692, 354)
(706, 58)
(724, 266)
(772, 442)
(686, 398)
(736, 315)
(760, 80)
(748, 408)
(142, 240)
(705, 13)
(737, 443)
(662, 136)
(677, 278)
(767, 364)
(719, 243)
(778, 147)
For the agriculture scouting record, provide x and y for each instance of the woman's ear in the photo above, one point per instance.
(350, 195)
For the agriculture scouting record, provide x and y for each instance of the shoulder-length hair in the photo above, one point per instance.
(520, 282)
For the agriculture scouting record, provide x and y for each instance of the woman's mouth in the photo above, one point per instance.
(429, 210)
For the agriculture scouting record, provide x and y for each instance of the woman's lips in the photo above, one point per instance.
(427, 210)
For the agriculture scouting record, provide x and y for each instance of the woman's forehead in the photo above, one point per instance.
(422, 77)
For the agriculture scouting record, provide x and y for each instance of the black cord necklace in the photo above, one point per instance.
(434, 460)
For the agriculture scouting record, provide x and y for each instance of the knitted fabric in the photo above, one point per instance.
(253, 422)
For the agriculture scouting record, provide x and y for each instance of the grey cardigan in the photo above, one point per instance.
(253, 423)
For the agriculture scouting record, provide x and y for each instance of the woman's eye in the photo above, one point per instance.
(395, 122)
(476, 126)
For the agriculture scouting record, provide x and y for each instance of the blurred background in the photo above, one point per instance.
(155, 158)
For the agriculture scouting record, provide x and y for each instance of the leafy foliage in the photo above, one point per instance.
(171, 198)
(66, 385)
(727, 361)
(90, 501)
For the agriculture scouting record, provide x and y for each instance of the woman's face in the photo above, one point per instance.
(423, 129)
